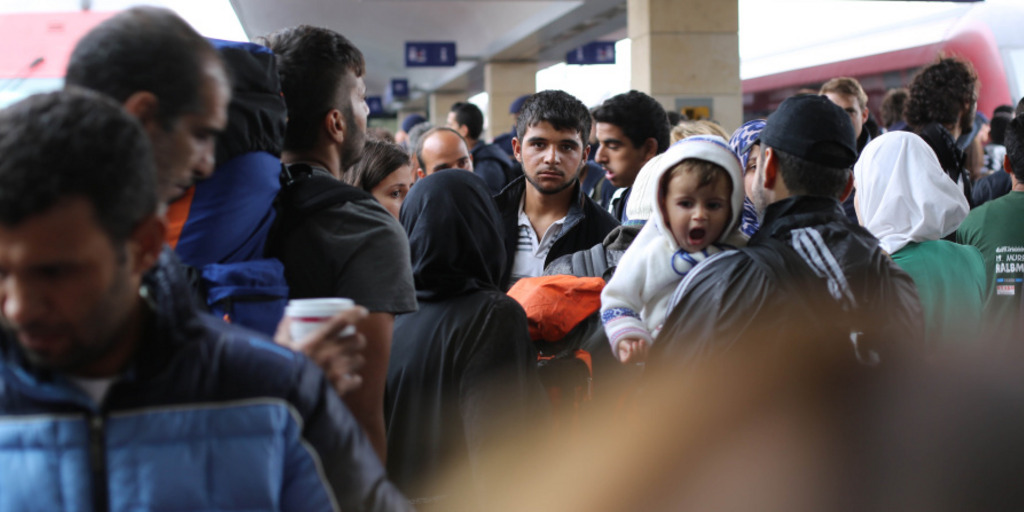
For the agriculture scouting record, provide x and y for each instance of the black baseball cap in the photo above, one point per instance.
(811, 127)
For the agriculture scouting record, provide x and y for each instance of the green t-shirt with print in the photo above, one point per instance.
(996, 228)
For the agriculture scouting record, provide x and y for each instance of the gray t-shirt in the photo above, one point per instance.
(358, 251)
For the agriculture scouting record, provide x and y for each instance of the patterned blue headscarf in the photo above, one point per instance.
(742, 138)
(739, 141)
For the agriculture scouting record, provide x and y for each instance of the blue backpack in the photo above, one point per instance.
(227, 219)
(220, 228)
(229, 227)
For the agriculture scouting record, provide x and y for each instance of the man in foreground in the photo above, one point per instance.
(116, 391)
(173, 81)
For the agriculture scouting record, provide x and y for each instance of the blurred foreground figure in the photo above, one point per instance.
(808, 431)
(116, 393)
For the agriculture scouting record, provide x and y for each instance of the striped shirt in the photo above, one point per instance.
(531, 249)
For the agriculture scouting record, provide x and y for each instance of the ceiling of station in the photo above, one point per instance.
(483, 30)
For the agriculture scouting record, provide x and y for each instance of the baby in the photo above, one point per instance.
(699, 194)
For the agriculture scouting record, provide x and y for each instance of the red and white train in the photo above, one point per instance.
(991, 36)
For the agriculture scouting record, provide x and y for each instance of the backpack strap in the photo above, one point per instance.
(793, 275)
(612, 256)
(580, 263)
(302, 195)
(599, 261)
(590, 263)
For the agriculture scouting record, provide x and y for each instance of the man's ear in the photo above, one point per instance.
(146, 243)
(847, 189)
(334, 126)
(144, 106)
(517, 149)
(420, 173)
(586, 152)
(864, 115)
(770, 169)
(1006, 165)
(464, 131)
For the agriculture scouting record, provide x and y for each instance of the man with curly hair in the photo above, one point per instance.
(941, 106)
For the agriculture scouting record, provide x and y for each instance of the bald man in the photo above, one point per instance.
(441, 148)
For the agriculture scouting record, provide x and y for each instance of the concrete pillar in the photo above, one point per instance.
(685, 53)
(504, 82)
(441, 103)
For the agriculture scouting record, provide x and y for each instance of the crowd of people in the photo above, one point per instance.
(599, 310)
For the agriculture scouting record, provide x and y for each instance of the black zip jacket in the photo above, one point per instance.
(586, 225)
(808, 278)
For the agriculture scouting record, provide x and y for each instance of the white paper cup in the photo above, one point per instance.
(307, 315)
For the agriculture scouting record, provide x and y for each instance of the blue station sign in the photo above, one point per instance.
(399, 88)
(597, 52)
(430, 54)
(376, 104)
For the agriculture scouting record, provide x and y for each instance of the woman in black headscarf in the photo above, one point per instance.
(462, 368)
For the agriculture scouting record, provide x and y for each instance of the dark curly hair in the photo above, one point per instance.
(563, 110)
(940, 92)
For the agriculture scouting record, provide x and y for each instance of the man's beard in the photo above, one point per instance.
(352, 146)
(759, 196)
(560, 188)
(105, 329)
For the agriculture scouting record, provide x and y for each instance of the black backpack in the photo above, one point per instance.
(828, 317)
(302, 195)
(596, 261)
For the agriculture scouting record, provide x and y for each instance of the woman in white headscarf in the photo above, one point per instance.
(908, 202)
